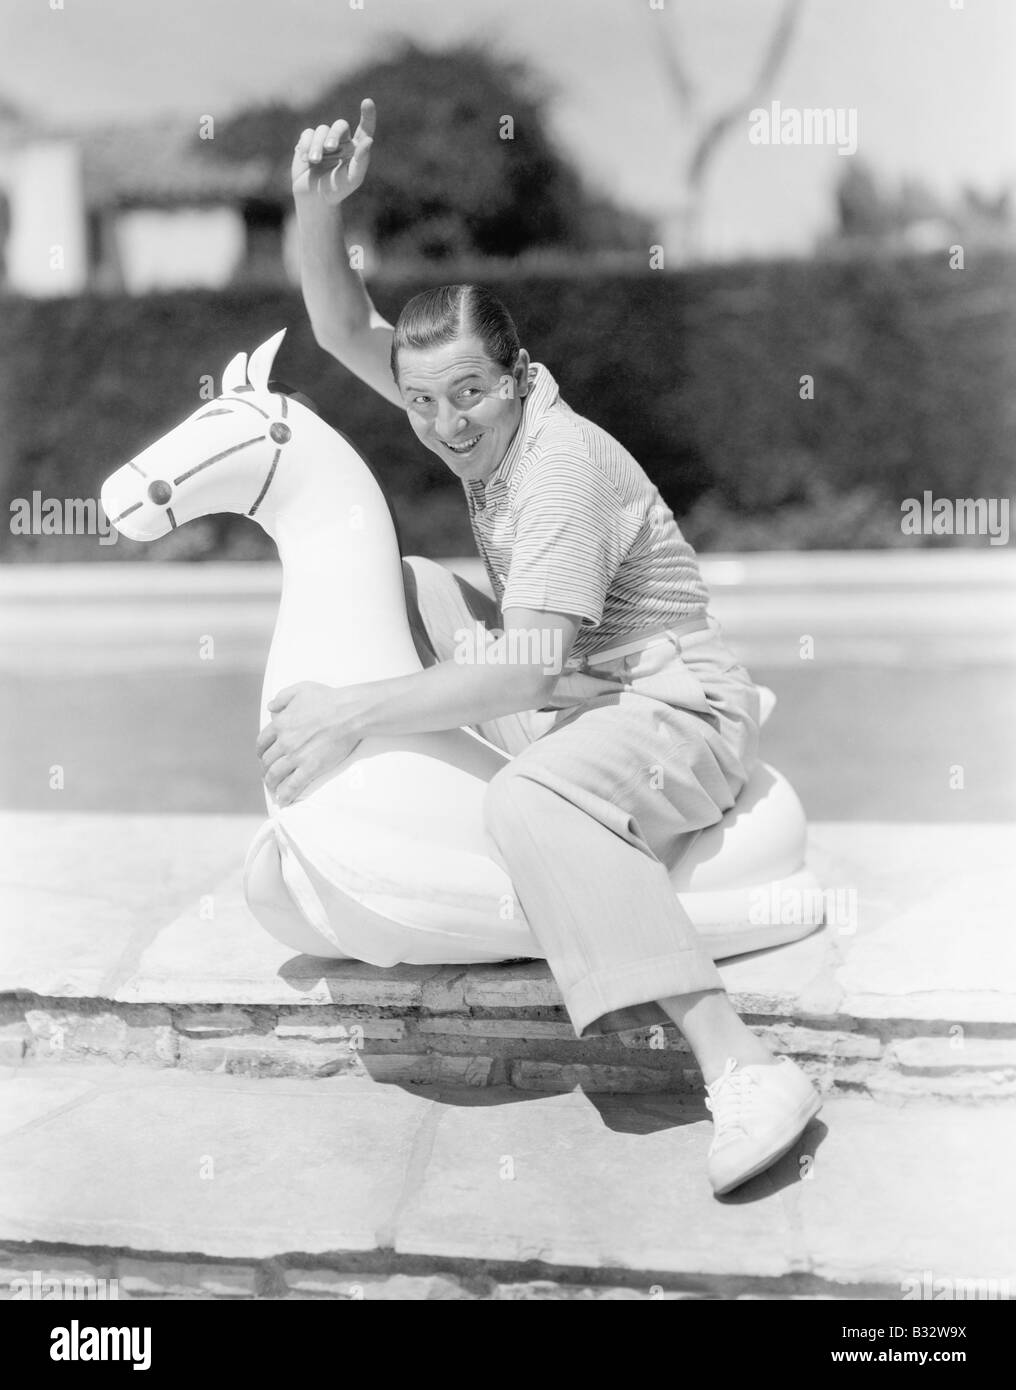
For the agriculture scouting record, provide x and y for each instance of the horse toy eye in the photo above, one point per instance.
(160, 492)
(280, 433)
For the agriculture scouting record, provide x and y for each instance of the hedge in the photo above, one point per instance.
(697, 373)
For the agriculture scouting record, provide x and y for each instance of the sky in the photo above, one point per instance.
(932, 83)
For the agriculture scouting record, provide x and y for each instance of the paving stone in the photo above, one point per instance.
(226, 960)
(444, 990)
(658, 1038)
(496, 1028)
(66, 1033)
(15, 1039)
(934, 930)
(88, 891)
(566, 1076)
(794, 1040)
(267, 1056)
(231, 960)
(288, 1165)
(176, 1279)
(375, 1029)
(932, 1188)
(401, 1287)
(919, 1055)
(12, 1007)
(514, 1048)
(927, 946)
(869, 1211)
(931, 1086)
(548, 1180)
(25, 1104)
(938, 1006)
(426, 1069)
(511, 986)
(541, 1290)
(45, 1276)
(772, 982)
(209, 1023)
(872, 1195)
(325, 1283)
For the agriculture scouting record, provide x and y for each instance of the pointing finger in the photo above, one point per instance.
(368, 118)
(361, 157)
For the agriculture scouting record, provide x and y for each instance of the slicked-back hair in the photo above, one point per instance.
(448, 312)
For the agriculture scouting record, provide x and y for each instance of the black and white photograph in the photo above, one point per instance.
(508, 630)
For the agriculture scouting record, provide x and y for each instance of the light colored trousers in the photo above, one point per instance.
(600, 795)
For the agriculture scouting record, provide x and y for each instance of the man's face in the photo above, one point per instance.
(464, 407)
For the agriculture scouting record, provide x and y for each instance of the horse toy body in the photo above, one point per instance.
(384, 860)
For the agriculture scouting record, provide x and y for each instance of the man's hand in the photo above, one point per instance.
(329, 163)
(313, 730)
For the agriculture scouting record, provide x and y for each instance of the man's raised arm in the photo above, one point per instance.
(329, 163)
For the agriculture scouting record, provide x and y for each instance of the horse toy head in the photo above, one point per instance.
(224, 457)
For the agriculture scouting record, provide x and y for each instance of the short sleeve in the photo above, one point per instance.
(571, 535)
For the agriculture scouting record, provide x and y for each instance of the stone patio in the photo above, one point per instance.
(129, 940)
(219, 1186)
(194, 1111)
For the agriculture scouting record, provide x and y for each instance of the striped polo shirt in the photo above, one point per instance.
(568, 522)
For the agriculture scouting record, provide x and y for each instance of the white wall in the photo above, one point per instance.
(46, 251)
(169, 249)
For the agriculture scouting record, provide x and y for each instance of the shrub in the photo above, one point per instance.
(697, 373)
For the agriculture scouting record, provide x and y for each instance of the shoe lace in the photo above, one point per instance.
(726, 1099)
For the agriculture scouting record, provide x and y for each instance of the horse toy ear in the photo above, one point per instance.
(235, 374)
(259, 365)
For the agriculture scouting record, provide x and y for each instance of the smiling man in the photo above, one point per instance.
(460, 404)
(639, 735)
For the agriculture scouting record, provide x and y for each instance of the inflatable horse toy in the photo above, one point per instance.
(385, 859)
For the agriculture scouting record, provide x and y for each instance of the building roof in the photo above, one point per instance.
(163, 164)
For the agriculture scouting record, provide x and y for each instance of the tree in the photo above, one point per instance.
(708, 132)
(871, 210)
(463, 163)
(864, 208)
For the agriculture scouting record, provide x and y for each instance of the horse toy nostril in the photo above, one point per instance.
(160, 492)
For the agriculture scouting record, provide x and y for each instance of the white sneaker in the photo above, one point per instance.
(759, 1113)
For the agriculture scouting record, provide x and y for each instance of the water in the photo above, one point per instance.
(895, 678)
